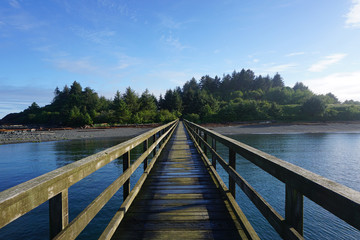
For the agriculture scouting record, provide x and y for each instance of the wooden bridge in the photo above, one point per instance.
(180, 195)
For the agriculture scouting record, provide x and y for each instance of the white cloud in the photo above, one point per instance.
(353, 16)
(295, 54)
(345, 86)
(280, 68)
(329, 60)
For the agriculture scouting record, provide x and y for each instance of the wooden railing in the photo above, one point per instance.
(53, 186)
(340, 200)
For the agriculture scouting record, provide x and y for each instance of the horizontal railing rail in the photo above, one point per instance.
(338, 199)
(53, 186)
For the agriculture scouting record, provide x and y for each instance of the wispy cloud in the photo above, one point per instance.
(173, 42)
(170, 23)
(325, 63)
(295, 54)
(353, 16)
(176, 77)
(345, 86)
(80, 66)
(281, 67)
(125, 61)
(22, 21)
(16, 99)
(119, 7)
(95, 36)
(14, 4)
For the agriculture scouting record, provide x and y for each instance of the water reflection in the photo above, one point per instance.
(334, 156)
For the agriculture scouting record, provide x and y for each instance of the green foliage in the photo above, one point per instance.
(165, 116)
(193, 117)
(239, 96)
(314, 107)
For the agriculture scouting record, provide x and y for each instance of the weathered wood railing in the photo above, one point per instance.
(342, 201)
(53, 186)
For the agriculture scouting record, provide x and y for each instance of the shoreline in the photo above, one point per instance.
(68, 134)
(225, 129)
(286, 128)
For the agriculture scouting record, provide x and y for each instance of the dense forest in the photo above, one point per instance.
(241, 96)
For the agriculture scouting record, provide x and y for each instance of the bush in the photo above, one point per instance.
(192, 117)
(314, 107)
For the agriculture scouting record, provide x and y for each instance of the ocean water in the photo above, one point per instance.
(335, 156)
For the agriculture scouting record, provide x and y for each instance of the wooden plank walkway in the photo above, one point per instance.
(179, 200)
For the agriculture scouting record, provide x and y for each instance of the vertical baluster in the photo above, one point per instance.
(160, 143)
(126, 165)
(213, 145)
(197, 136)
(294, 207)
(58, 213)
(154, 140)
(145, 148)
(232, 163)
(205, 146)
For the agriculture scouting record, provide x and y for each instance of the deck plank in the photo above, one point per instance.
(179, 200)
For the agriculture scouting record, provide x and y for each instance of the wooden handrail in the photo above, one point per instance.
(338, 199)
(246, 227)
(53, 186)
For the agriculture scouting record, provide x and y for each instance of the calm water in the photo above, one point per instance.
(22, 162)
(335, 156)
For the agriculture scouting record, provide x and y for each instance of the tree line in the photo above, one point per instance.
(240, 96)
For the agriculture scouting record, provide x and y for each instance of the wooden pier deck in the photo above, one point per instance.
(180, 200)
(180, 194)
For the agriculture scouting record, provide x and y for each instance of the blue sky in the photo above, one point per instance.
(109, 45)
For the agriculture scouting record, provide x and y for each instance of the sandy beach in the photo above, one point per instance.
(293, 128)
(230, 129)
(57, 135)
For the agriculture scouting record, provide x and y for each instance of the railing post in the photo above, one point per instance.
(294, 207)
(232, 161)
(146, 145)
(213, 145)
(126, 165)
(205, 146)
(58, 213)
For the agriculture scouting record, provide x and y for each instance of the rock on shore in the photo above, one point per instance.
(21, 136)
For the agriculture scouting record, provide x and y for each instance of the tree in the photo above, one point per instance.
(147, 101)
(132, 100)
(33, 107)
(121, 112)
(314, 107)
(300, 86)
(277, 81)
(90, 99)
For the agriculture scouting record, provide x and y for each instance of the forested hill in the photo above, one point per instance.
(241, 96)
